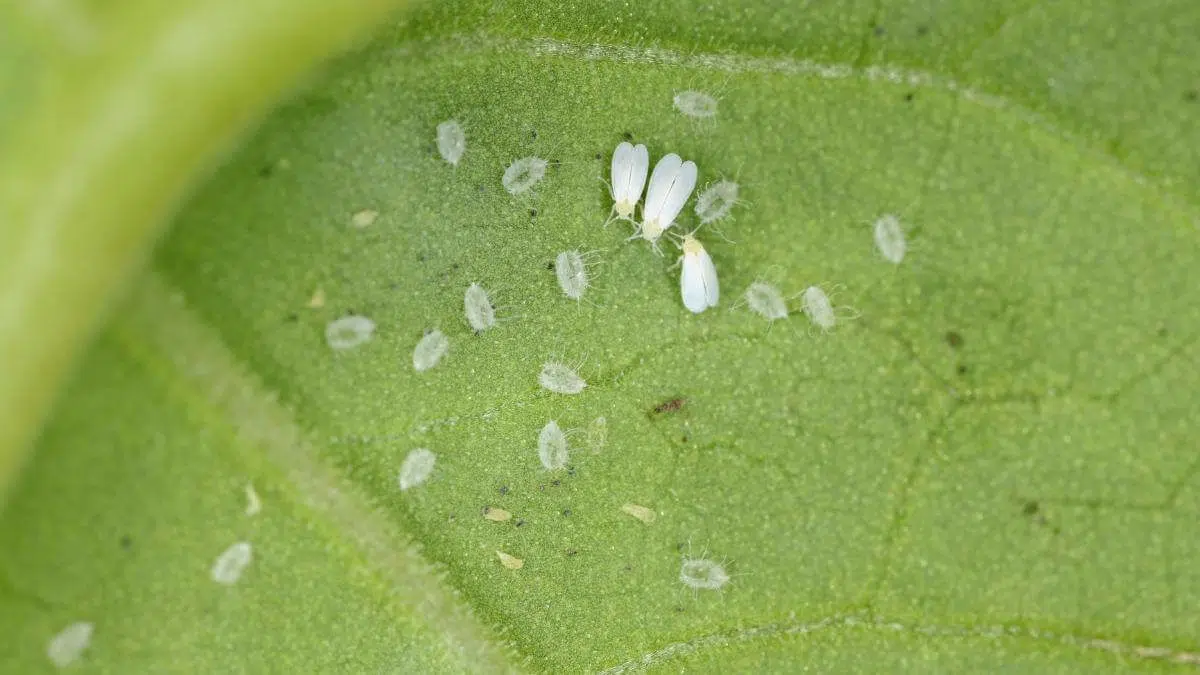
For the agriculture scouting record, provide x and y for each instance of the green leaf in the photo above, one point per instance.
(985, 465)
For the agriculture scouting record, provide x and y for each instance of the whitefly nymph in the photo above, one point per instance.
(570, 268)
(671, 184)
(889, 239)
(560, 378)
(819, 308)
(716, 201)
(451, 141)
(695, 104)
(478, 308)
(552, 447)
(766, 301)
(523, 174)
(630, 164)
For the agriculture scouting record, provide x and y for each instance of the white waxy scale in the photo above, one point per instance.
(597, 434)
(630, 163)
(766, 301)
(416, 468)
(698, 283)
(481, 314)
(230, 565)
(429, 350)
(817, 306)
(349, 332)
(561, 379)
(642, 513)
(671, 184)
(364, 218)
(572, 274)
(65, 648)
(702, 574)
(716, 201)
(253, 503)
(552, 447)
(696, 104)
(523, 174)
(451, 141)
(889, 239)
(510, 561)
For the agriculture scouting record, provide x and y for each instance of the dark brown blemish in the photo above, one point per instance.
(670, 406)
(954, 339)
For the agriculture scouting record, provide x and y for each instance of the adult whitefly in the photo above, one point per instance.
(698, 284)
(696, 104)
(552, 447)
(766, 301)
(716, 201)
(889, 239)
(523, 174)
(230, 565)
(451, 141)
(560, 378)
(478, 307)
(416, 468)
(630, 163)
(671, 185)
(349, 332)
(429, 350)
(66, 647)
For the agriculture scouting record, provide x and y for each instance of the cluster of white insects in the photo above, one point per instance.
(667, 190)
(671, 185)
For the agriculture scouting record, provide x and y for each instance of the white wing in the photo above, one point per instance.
(678, 193)
(692, 286)
(661, 180)
(622, 164)
(640, 164)
(708, 274)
